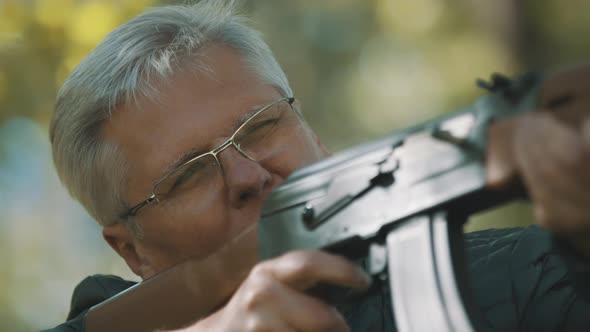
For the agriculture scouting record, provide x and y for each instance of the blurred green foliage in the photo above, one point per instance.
(362, 68)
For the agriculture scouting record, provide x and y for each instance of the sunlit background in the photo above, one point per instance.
(362, 69)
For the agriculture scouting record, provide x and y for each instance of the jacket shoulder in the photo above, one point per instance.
(521, 283)
(88, 293)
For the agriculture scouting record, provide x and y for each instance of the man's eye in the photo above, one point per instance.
(190, 174)
(262, 127)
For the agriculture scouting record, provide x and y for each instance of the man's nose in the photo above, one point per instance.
(245, 179)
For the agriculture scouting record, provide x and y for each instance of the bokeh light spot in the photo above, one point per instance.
(13, 17)
(54, 13)
(92, 22)
(414, 17)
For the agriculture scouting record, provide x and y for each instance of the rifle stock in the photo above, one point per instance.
(180, 295)
(192, 290)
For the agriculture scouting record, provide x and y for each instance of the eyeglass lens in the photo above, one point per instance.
(263, 136)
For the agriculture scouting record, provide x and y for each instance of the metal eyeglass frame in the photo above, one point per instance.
(214, 152)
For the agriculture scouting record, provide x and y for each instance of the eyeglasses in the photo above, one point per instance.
(268, 132)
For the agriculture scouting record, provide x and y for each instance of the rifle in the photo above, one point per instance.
(408, 192)
(397, 206)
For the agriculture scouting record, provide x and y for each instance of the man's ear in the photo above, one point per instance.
(121, 239)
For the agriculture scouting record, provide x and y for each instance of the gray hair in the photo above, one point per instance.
(124, 66)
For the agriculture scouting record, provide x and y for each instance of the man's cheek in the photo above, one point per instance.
(205, 231)
(309, 154)
(190, 231)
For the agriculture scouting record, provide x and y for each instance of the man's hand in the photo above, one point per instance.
(273, 296)
(553, 160)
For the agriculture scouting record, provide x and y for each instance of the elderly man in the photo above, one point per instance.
(175, 129)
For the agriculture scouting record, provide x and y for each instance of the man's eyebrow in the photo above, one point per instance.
(194, 152)
(179, 161)
(240, 121)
